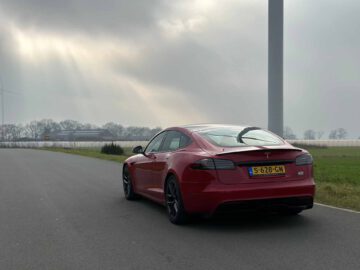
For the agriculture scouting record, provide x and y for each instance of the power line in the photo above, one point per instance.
(11, 92)
(2, 109)
(2, 93)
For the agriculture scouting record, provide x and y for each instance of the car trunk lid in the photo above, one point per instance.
(246, 158)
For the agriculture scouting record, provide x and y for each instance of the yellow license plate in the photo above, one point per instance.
(267, 170)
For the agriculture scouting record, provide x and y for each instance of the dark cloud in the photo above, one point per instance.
(216, 69)
(208, 81)
(92, 16)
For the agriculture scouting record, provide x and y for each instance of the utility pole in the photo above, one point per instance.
(275, 66)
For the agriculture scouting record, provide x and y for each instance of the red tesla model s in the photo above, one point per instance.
(205, 169)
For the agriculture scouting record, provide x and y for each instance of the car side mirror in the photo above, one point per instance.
(138, 150)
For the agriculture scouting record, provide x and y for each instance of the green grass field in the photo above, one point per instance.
(92, 152)
(337, 172)
(337, 175)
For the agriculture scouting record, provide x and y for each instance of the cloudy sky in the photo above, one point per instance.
(162, 63)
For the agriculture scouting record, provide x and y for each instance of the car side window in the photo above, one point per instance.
(184, 141)
(175, 140)
(154, 145)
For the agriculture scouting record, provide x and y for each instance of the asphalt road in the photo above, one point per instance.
(60, 211)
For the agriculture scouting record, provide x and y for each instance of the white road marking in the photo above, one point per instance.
(338, 208)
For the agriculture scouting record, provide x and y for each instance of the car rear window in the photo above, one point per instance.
(228, 137)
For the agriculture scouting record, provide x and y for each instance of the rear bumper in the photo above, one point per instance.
(212, 197)
(277, 204)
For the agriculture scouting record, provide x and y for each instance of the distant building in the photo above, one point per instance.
(79, 135)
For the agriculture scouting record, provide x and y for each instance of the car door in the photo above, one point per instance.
(173, 141)
(144, 166)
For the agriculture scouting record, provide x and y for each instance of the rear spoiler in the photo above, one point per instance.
(264, 149)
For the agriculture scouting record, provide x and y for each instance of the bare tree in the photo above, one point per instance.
(154, 131)
(15, 132)
(289, 134)
(41, 129)
(12, 132)
(50, 125)
(338, 134)
(309, 134)
(70, 124)
(89, 126)
(319, 134)
(32, 128)
(116, 129)
(342, 133)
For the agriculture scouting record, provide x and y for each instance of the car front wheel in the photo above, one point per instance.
(127, 185)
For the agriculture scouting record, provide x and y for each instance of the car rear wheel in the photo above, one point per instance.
(174, 203)
(127, 185)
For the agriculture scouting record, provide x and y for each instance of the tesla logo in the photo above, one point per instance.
(267, 154)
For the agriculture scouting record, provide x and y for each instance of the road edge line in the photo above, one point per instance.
(338, 208)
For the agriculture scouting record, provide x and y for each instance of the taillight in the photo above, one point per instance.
(304, 159)
(224, 164)
(213, 164)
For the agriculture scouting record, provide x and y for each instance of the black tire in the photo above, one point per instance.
(174, 202)
(290, 211)
(127, 185)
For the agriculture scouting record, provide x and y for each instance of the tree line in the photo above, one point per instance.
(310, 134)
(35, 130)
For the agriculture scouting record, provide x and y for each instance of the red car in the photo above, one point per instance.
(206, 169)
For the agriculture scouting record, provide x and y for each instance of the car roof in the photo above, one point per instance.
(200, 127)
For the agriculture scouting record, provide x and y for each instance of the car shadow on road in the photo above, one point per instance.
(255, 221)
(243, 221)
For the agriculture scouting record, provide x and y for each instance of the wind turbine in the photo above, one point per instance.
(275, 66)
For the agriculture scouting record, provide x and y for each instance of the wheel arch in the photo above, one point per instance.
(168, 175)
(126, 164)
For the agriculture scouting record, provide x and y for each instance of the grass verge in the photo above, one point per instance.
(92, 152)
(337, 175)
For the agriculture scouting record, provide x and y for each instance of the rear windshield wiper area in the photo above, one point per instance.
(243, 132)
(252, 138)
